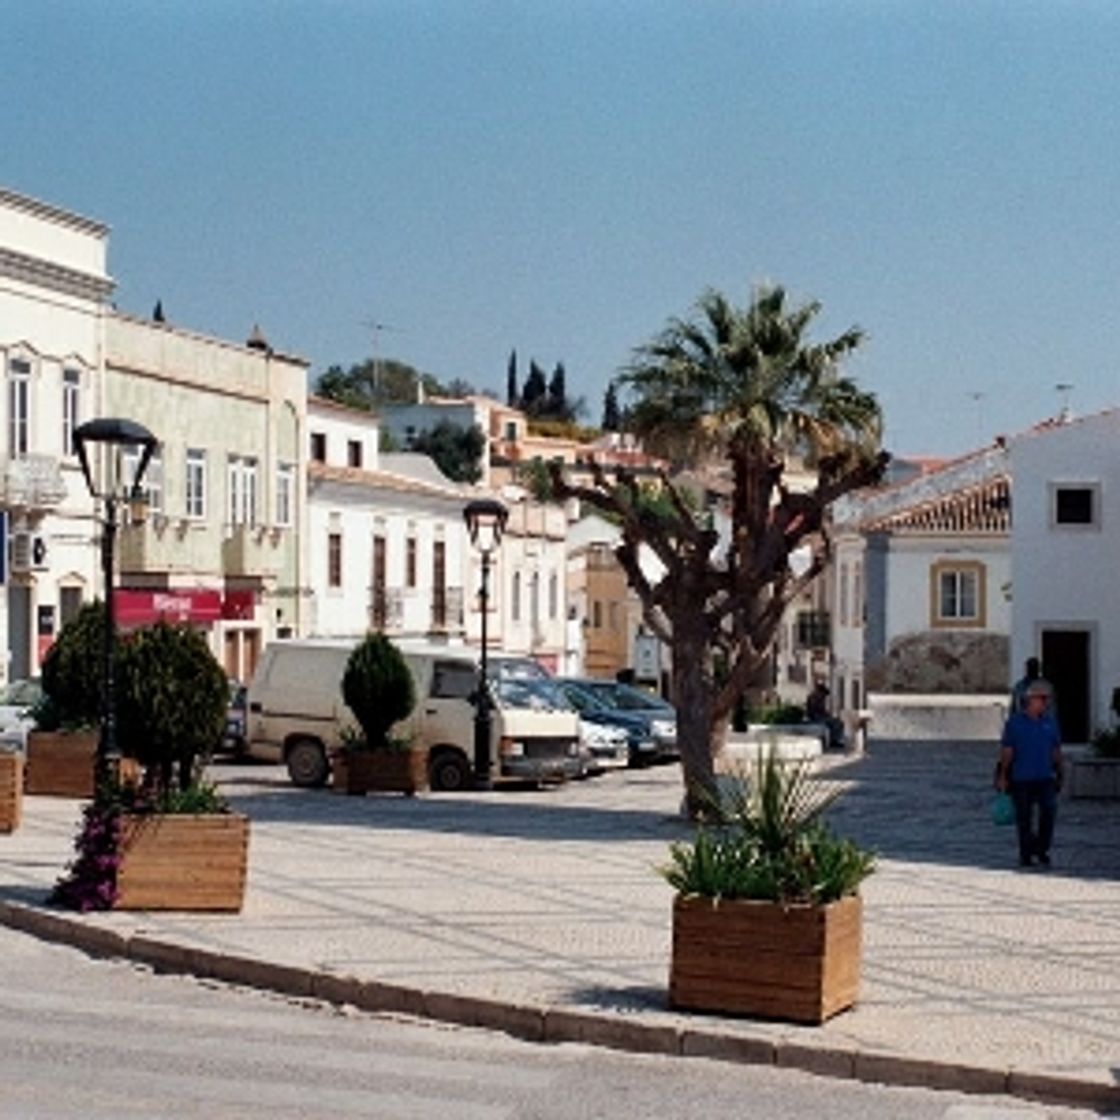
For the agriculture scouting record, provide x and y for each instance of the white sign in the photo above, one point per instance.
(647, 657)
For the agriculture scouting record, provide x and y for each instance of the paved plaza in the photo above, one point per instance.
(549, 901)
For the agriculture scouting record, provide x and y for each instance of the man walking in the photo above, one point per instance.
(1031, 768)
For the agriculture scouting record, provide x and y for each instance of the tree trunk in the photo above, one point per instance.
(693, 696)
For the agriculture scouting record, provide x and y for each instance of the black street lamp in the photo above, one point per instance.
(114, 434)
(486, 519)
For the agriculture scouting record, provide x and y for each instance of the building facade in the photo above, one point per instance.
(1066, 532)
(223, 542)
(54, 292)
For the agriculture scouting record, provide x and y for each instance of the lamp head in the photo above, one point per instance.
(114, 432)
(486, 520)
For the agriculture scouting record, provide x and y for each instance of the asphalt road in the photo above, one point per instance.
(84, 1039)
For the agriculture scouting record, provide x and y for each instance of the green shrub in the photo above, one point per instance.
(1106, 742)
(377, 687)
(770, 844)
(779, 713)
(73, 672)
(171, 702)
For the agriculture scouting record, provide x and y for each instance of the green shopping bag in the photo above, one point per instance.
(1003, 809)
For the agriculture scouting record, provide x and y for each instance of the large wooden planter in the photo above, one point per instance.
(798, 963)
(364, 771)
(61, 763)
(11, 791)
(1090, 776)
(183, 862)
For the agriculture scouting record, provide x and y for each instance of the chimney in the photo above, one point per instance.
(257, 340)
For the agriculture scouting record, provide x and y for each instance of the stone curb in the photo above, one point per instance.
(558, 1024)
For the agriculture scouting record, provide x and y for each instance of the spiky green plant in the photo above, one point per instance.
(770, 843)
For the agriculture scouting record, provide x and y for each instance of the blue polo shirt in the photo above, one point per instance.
(1032, 742)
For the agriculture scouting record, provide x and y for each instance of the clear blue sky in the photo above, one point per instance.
(561, 177)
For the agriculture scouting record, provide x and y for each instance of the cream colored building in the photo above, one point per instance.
(223, 544)
(54, 291)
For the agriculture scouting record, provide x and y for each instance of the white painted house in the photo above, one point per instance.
(386, 535)
(921, 591)
(54, 292)
(1065, 540)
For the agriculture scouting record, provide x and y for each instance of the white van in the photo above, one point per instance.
(296, 715)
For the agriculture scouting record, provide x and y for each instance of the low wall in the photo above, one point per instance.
(789, 742)
(896, 715)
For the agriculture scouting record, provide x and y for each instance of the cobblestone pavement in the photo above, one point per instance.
(551, 898)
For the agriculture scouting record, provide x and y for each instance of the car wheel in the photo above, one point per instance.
(449, 771)
(307, 763)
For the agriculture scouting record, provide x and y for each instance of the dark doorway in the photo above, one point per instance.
(19, 631)
(1065, 663)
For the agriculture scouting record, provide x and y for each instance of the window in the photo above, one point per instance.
(319, 447)
(379, 600)
(410, 562)
(285, 489)
(553, 596)
(515, 605)
(354, 453)
(19, 407)
(69, 604)
(1075, 505)
(453, 680)
(957, 592)
(535, 598)
(71, 411)
(511, 431)
(242, 491)
(813, 630)
(152, 487)
(857, 598)
(843, 594)
(597, 615)
(334, 559)
(439, 585)
(196, 483)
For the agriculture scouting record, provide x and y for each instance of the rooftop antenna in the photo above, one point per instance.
(376, 328)
(1064, 388)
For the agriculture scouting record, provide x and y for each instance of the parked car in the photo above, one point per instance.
(605, 747)
(595, 708)
(16, 702)
(297, 715)
(627, 698)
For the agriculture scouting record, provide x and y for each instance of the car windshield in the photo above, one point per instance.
(540, 695)
(636, 700)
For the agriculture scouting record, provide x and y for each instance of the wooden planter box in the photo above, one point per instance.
(1094, 777)
(799, 963)
(183, 862)
(61, 763)
(388, 771)
(11, 791)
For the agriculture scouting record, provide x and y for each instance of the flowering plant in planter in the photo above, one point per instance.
(171, 704)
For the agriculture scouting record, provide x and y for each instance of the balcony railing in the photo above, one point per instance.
(447, 609)
(386, 608)
(250, 550)
(32, 482)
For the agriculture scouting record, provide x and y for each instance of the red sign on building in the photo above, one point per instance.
(200, 606)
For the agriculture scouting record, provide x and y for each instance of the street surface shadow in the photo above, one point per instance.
(516, 813)
(931, 802)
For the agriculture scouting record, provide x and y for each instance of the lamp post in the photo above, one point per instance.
(486, 519)
(115, 435)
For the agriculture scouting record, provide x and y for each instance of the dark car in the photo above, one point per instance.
(626, 699)
(596, 709)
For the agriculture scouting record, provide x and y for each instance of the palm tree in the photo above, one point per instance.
(744, 388)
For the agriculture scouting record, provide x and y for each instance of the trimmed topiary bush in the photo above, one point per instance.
(73, 671)
(378, 688)
(171, 702)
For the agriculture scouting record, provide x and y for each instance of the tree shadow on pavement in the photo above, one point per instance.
(931, 802)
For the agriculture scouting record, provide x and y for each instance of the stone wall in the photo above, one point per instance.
(951, 661)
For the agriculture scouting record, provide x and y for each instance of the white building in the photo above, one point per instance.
(54, 291)
(1066, 535)
(386, 534)
(920, 584)
(223, 545)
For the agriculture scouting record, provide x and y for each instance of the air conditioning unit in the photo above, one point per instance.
(28, 552)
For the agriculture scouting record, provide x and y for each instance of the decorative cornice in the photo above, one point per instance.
(57, 277)
(55, 214)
